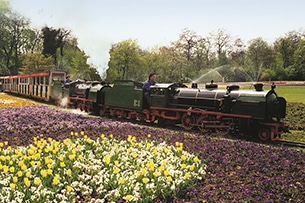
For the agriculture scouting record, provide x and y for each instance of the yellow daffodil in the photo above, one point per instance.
(5, 169)
(69, 188)
(43, 173)
(49, 171)
(56, 180)
(61, 158)
(156, 173)
(116, 170)
(183, 166)
(27, 182)
(15, 179)
(145, 180)
(134, 155)
(37, 181)
(138, 174)
(102, 136)
(121, 181)
(69, 172)
(107, 159)
(19, 173)
(13, 186)
(128, 197)
(143, 171)
(28, 174)
(12, 169)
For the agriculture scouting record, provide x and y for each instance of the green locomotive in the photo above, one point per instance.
(254, 112)
(211, 110)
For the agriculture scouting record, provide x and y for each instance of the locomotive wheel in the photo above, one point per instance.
(87, 107)
(102, 111)
(123, 114)
(264, 134)
(187, 121)
(222, 131)
(141, 117)
(200, 122)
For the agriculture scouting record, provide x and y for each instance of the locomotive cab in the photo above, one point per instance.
(162, 94)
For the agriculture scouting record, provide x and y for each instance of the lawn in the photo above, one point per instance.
(292, 93)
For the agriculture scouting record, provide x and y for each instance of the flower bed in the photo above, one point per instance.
(236, 170)
(10, 101)
(105, 169)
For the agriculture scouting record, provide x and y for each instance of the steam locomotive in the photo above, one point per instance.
(255, 112)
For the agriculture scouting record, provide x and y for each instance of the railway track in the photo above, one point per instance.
(290, 143)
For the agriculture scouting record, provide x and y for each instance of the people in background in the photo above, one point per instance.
(146, 89)
(68, 79)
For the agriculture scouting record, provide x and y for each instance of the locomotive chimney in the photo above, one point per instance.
(194, 85)
(273, 86)
(258, 86)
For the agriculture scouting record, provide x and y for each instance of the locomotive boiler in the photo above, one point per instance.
(255, 112)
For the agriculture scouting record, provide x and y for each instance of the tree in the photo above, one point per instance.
(187, 42)
(222, 41)
(12, 30)
(285, 48)
(191, 53)
(261, 57)
(32, 41)
(52, 40)
(297, 71)
(125, 61)
(36, 62)
(238, 52)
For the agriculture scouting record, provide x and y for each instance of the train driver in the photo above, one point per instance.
(146, 88)
(68, 80)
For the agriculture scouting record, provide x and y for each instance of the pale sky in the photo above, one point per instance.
(99, 23)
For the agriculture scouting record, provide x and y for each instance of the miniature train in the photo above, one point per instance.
(255, 112)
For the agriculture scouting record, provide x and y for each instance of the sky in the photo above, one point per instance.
(97, 24)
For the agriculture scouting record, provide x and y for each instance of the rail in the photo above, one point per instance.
(290, 143)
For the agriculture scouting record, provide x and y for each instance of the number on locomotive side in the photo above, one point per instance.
(136, 103)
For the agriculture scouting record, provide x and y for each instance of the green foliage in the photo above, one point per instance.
(27, 50)
(36, 62)
(294, 135)
(299, 60)
(126, 61)
(268, 74)
(295, 116)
